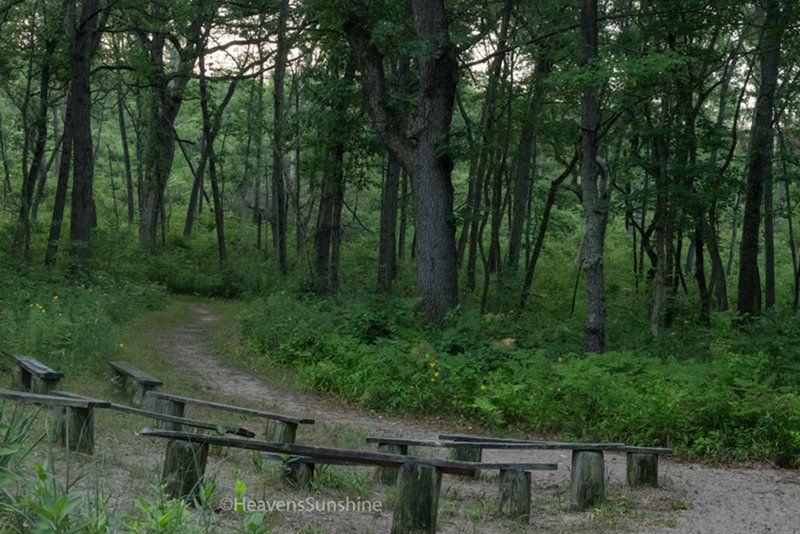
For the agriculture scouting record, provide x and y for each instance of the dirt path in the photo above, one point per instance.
(693, 498)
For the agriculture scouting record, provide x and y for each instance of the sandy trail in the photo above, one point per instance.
(693, 498)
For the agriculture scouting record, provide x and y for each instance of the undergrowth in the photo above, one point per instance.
(725, 394)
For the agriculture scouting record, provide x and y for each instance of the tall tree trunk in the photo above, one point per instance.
(594, 205)
(419, 143)
(126, 156)
(330, 208)
(387, 256)
(82, 209)
(760, 158)
(525, 150)
(22, 236)
(60, 200)
(279, 218)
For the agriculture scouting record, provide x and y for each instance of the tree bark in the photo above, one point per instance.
(420, 144)
(82, 212)
(594, 205)
(760, 158)
(387, 255)
(279, 218)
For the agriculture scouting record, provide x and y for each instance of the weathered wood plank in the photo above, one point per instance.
(501, 444)
(239, 431)
(135, 373)
(317, 453)
(50, 400)
(234, 409)
(32, 375)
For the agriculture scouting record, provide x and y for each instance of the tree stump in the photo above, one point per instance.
(588, 479)
(642, 469)
(387, 474)
(468, 454)
(515, 494)
(75, 427)
(417, 499)
(184, 465)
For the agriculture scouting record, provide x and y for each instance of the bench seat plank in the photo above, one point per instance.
(502, 445)
(318, 453)
(52, 400)
(37, 368)
(233, 409)
(135, 373)
(239, 431)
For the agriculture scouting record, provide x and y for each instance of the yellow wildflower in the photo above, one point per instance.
(483, 387)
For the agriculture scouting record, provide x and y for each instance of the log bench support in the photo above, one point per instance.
(133, 383)
(74, 417)
(642, 469)
(75, 427)
(419, 480)
(184, 466)
(29, 374)
(387, 474)
(468, 454)
(588, 479)
(417, 501)
(514, 500)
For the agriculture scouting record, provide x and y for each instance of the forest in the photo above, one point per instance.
(570, 217)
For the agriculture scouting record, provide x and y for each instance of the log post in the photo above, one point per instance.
(184, 465)
(280, 431)
(468, 454)
(298, 472)
(642, 469)
(417, 500)
(515, 494)
(588, 479)
(387, 474)
(75, 427)
(167, 407)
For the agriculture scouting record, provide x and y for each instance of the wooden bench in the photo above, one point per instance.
(222, 429)
(279, 428)
(74, 417)
(418, 480)
(588, 467)
(133, 383)
(29, 374)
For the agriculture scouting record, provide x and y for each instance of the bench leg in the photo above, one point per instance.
(515, 494)
(642, 469)
(387, 474)
(167, 407)
(280, 431)
(468, 454)
(75, 427)
(294, 471)
(44, 385)
(588, 479)
(184, 465)
(299, 473)
(417, 499)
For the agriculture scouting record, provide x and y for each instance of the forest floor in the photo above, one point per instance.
(192, 349)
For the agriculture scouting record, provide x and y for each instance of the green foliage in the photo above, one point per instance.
(721, 402)
(66, 323)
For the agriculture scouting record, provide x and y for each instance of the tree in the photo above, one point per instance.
(419, 141)
(595, 201)
(760, 160)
